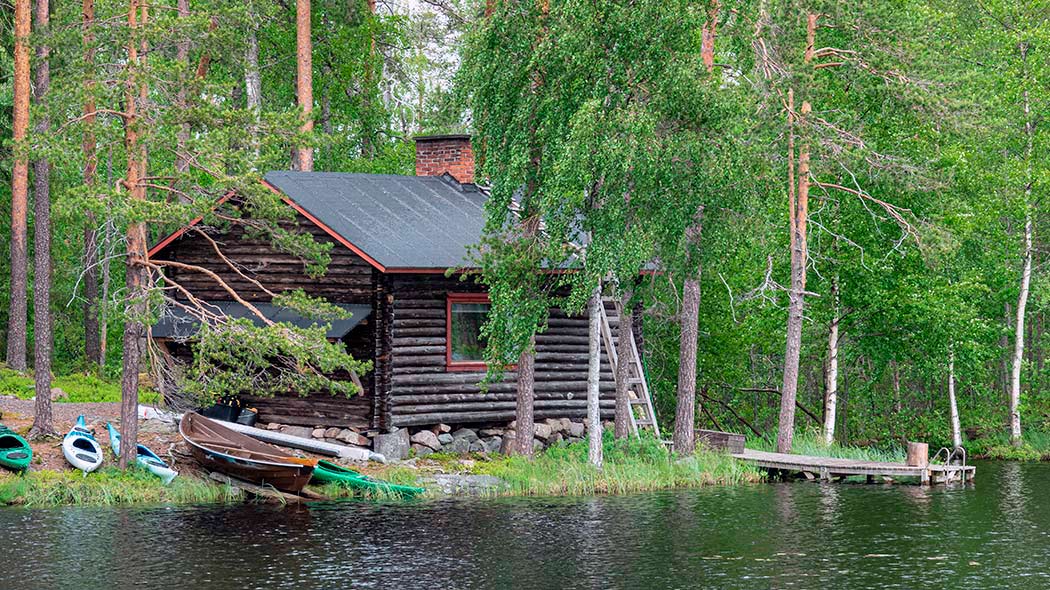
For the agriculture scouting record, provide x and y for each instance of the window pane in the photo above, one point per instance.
(467, 343)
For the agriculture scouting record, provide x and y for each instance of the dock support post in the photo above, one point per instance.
(924, 479)
(824, 475)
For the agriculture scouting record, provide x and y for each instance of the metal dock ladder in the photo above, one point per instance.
(641, 404)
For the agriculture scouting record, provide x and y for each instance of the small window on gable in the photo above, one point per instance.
(465, 346)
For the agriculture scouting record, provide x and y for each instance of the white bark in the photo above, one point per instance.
(832, 376)
(253, 83)
(1026, 273)
(594, 419)
(953, 406)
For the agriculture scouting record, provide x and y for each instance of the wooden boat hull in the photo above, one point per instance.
(15, 452)
(224, 450)
(328, 473)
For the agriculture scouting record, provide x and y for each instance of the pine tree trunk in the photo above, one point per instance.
(182, 55)
(624, 358)
(953, 406)
(525, 427)
(594, 418)
(685, 412)
(831, 377)
(134, 330)
(17, 311)
(92, 337)
(42, 423)
(304, 81)
(799, 211)
(707, 39)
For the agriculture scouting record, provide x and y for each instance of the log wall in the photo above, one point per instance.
(349, 279)
(423, 391)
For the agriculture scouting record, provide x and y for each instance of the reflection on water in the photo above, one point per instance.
(797, 535)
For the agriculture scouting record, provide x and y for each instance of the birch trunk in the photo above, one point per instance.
(253, 82)
(17, 310)
(1026, 271)
(831, 380)
(304, 82)
(525, 427)
(953, 406)
(42, 422)
(594, 419)
(624, 358)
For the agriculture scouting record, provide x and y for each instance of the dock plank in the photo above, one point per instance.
(834, 466)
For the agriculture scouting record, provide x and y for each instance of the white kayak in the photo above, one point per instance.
(81, 449)
(145, 457)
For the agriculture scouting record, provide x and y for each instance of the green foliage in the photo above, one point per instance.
(79, 388)
(240, 358)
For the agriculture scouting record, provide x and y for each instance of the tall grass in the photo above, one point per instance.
(811, 443)
(108, 486)
(632, 465)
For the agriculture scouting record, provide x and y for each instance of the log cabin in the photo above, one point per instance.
(393, 240)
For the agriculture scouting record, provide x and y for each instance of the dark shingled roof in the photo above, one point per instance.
(176, 323)
(401, 222)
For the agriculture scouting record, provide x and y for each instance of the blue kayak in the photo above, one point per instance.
(81, 449)
(146, 457)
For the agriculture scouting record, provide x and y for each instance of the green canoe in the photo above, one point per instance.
(15, 452)
(328, 472)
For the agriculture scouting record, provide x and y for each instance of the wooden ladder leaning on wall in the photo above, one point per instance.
(641, 404)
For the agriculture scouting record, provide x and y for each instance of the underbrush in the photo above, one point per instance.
(79, 388)
(1035, 446)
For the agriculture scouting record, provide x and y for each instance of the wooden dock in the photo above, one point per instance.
(828, 468)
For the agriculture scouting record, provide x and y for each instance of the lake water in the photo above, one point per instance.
(993, 534)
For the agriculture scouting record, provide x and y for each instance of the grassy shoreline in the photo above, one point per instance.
(634, 465)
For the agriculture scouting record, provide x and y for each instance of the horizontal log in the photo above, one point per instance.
(420, 341)
(497, 405)
(506, 395)
(485, 416)
(416, 351)
(414, 314)
(360, 421)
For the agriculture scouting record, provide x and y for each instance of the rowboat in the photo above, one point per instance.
(15, 452)
(81, 449)
(240, 456)
(145, 457)
(328, 472)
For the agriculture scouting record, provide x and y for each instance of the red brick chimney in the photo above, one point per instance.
(438, 154)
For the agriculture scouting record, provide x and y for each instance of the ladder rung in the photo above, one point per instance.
(645, 422)
(634, 380)
(638, 402)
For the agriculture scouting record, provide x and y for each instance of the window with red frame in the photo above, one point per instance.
(465, 346)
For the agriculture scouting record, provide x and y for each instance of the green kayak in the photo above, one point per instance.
(15, 452)
(328, 472)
